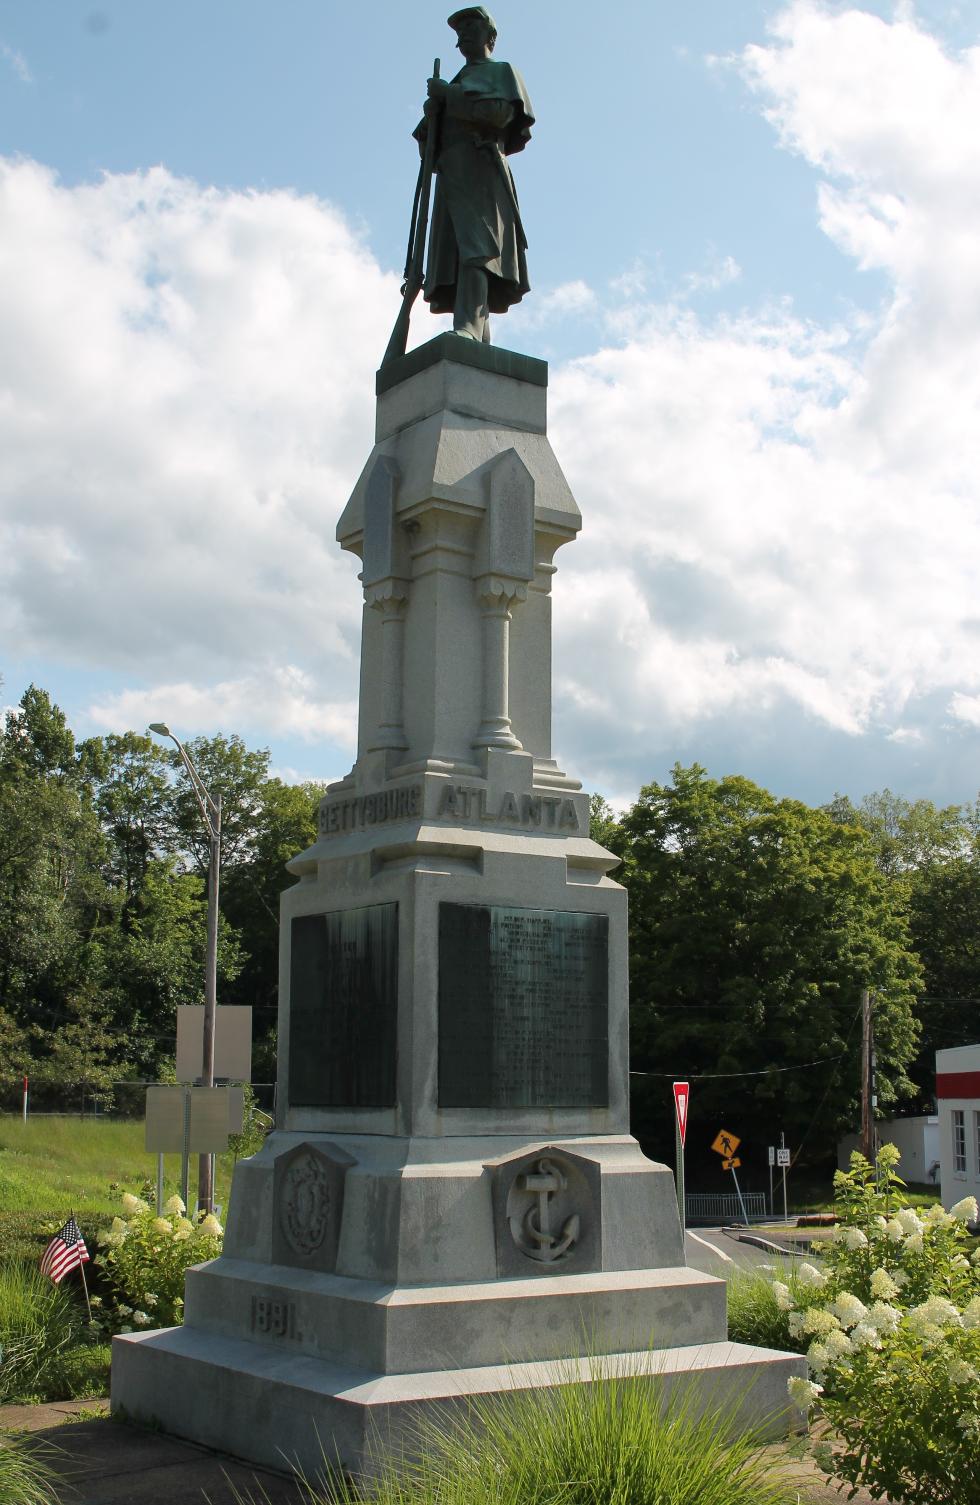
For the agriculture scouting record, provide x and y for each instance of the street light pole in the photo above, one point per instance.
(211, 814)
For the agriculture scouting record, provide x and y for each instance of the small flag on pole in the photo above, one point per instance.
(65, 1252)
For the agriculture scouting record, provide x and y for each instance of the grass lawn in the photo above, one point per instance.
(52, 1166)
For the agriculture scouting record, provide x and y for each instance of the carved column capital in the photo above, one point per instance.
(498, 593)
(390, 596)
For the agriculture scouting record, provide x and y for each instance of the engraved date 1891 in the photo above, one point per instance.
(277, 1318)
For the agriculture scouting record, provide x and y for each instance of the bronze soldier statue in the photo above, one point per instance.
(476, 262)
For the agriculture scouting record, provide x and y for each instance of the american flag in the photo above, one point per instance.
(65, 1252)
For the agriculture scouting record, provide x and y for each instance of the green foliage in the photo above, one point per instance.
(754, 1314)
(145, 1258)
(26, 1475)
(42, 1329)
(605, 1443)
(754, 924)
(891, 1327)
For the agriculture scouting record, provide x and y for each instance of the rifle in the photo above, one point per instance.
(415, 259)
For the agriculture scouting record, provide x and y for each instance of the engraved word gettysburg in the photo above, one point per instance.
(452, 1199)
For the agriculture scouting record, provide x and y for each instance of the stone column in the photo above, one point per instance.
(496, 595)
(390, 598)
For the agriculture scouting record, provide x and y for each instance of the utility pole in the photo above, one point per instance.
(867, 1073)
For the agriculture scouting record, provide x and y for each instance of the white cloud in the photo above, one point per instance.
(802, 502)
(182, 417)
(285, 699)
(17, 61)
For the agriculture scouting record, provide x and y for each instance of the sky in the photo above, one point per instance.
(754, 248)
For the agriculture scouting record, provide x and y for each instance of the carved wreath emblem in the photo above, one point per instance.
(304, 1209)
(535, 1211)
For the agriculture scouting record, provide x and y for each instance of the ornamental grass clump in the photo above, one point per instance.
(145, 1258)
(41, 1326)
(891, 1331)
(26, 1476)
(611, 1441)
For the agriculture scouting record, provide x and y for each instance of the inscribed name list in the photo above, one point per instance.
(523, 1008)
(343, 1008)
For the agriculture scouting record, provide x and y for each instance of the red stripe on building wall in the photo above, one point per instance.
(958, 1084)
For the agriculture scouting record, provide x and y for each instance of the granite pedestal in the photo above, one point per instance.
(451, 1204)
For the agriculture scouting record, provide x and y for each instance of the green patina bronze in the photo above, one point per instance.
(476, 263)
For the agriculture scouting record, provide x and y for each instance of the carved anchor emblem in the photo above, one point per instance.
(545, 1181)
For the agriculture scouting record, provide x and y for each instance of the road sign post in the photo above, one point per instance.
(725, 1145)
(682, 1096)
(772, 1162)
(782, 1159)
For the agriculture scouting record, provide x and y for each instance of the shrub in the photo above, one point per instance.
(893, 1342)
(145, 1259)
(26, 1476)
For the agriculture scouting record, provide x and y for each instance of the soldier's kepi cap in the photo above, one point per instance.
(472, 10)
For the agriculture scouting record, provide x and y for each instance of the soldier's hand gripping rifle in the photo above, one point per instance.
(415, 260)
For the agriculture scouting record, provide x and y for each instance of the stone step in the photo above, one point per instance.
(400, 1329)
(278, 1407)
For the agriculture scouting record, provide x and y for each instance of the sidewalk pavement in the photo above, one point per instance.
(104, 1462)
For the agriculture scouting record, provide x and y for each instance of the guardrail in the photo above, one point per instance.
(724, 1207)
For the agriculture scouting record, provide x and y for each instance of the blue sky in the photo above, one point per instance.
(753, 238)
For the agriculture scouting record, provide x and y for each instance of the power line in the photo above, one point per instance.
(714, 1076)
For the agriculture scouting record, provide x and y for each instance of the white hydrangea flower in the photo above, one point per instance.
(961, 1373)
(185, 1225)
(162, 1225)
(895, 1231)
(132, 1205)
(882, 1285)
(960, 1262)
(124, 1311)
(879, 1221)
(182, 1234)
(865, 1335)
(969, 1422)
(175, 1204)
(965, 1211)
(783, 1295)
(884, 1317)
(855, 1239)
(150, 1299)
(809, 1275)
(803, 1392)
(795, 1322)
(975, 1256)
(914, 1243)
(849, 1309)
(819, 1321)
(971, 1313)
(909, 1220)
(837, 1344)
(210, 1224)
(900, 1277)
(818, 1356)
(141, 1319)
(931, 1316)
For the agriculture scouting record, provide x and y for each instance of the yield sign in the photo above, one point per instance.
(682, 1096)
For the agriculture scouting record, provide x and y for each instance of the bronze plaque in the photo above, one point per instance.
(523, 1008)
(343, 1008)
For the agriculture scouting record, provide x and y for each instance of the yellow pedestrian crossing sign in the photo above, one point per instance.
(725, 1144)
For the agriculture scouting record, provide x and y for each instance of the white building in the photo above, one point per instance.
(958, 1095)
(917, 1140)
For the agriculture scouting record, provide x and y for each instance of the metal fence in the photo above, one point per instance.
(724, 1207)
(86, 1100)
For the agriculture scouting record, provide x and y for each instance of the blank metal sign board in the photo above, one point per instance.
(215, 1112)
(232, 1042)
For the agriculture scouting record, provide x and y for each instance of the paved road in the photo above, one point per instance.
(715, 1251)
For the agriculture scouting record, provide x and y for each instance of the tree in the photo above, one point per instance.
(128, 776)
(906, 835)
(754, 924)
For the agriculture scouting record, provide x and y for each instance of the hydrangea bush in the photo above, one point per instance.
(145, 1258)
(891, 1330)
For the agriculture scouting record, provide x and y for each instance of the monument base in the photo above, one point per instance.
(280, 1410)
